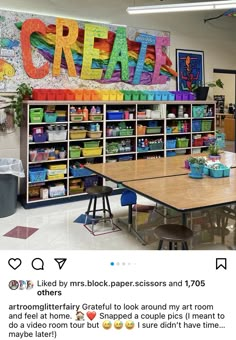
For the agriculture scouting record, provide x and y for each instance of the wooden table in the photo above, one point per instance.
(150, 168)
(141, 169)
(186, 194)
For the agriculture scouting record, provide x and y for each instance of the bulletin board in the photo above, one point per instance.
(54, 52)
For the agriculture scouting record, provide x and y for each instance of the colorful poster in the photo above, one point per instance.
(66, 53)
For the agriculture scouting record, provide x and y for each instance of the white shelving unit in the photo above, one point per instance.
(128, 145)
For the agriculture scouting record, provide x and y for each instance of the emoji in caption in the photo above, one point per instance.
(129, 324)
(91, 315)
(106, 324)
(118, 324)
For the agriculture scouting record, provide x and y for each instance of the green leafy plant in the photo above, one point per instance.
(23, 92)
(197, 160)
(217, 83)
(214, 150)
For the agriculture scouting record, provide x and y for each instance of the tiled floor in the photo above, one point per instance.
(54, 227)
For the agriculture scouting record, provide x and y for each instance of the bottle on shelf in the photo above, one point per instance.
(93, 110)
(85, 113)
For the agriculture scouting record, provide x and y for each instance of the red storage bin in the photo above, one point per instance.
(198, 142)
(39, 94)
(60, 94)
(51, 94)
(69, 95)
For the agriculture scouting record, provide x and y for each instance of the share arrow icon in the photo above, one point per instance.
(60, 262)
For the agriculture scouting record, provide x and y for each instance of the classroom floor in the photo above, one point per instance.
(55, 227)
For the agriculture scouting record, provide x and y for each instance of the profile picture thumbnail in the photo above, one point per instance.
(13, 284)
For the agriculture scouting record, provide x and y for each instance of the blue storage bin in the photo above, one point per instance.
(164, 95)
(37, 174)
(150, 95)
(114, 115)
(80, 172)
(170, 153)
(171, 96)
(171, 143)
(157, 95)
(196, 125)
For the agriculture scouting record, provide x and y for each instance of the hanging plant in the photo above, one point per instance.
(23, 92)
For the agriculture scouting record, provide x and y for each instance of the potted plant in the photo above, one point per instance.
(201, 90)
(197, 165)
(214, 152)
(23, 92)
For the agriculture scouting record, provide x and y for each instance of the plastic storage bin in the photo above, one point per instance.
(36, 115)
(80, 172)
(196, 125)
(206, 125)
(75, 151)
(50, 117)
(171, 143)
(156, 129)
(77, 134)
(90, 152)
(57, 135)
(114, 115)
(37, 174)
(182, 142)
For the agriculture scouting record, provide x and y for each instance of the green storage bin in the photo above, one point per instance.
(75, 151)
(92, 144)
(156, 129)
(36, 115)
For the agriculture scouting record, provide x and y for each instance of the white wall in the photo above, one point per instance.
(216, 38)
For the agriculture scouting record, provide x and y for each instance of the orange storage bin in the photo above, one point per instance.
(87, 95)
(95, 95)
(141, 130)
(78, 94)
(69, 95)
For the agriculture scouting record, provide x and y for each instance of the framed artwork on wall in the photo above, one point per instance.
(190, 69)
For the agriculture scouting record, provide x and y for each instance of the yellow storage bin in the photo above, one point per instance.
(105, 95)
(57, 176)
(113, 95)
(119, 95)
(76, 117)
(87, 152)
(76, 134)
(57, 167)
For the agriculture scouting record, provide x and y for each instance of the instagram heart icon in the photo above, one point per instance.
(91, 315)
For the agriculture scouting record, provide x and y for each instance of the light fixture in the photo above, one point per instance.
(184, 7)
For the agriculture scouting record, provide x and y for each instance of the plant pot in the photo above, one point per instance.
(202, 92)
(214, 157)
(197, 170)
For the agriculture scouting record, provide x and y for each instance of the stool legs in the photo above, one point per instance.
(184, 245)
(105, 209)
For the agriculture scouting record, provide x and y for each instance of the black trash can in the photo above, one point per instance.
(8, 194)
(10, 170)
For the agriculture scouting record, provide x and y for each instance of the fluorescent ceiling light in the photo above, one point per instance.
(184, 7)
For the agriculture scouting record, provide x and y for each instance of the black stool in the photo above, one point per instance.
(173, 233)
(96, 192)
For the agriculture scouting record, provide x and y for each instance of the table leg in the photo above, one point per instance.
(130, 225)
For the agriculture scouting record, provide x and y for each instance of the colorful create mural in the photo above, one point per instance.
(67, 53)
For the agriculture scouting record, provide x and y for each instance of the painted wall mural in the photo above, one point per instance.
(66, 53)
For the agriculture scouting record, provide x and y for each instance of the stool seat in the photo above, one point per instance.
(99, 190)
(173, 233)
(95, 192)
